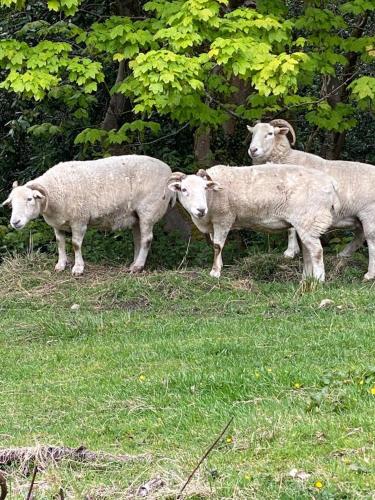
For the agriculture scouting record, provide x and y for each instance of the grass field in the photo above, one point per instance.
(157, 364)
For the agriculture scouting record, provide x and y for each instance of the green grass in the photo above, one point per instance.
(158, 363)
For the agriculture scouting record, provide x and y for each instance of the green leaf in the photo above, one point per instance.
(54, 5)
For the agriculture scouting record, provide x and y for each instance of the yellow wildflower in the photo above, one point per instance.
(318, 484)
(361, 382)
(141, 378)
(372, 390)
(297, 385)
(229, 439)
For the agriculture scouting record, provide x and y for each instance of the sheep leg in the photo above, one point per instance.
(219, 236)
(136, 241)
(307, 263)
(369, 233)
(78, 233)
(293, 247)
(370, 275)
(354, 245)
(315, 250)
(146, 237)
(63, 259)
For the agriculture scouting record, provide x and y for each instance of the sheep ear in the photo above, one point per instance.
(37, 194)
(281, 130)
(40, 193)
(213, 186)
(250, 129)
(174, 186)
(202, 173)
(6, 203)
(15, 184)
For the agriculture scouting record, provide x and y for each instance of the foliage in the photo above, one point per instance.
(35, 70)
(182, 66)
(182, 57)
(363, 91)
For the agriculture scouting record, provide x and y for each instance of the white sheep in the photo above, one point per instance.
(268, 198)
(111, 193)
(355, 184)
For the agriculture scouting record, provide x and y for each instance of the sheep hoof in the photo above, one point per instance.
(77, 270)
(290, 254)
(60, 267)
(215, 274)
(136, 269)
(368, 277)
(345, 254)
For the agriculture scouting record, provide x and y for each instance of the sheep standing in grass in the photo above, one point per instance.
(355, 184)
(111, 193)
(268, 197)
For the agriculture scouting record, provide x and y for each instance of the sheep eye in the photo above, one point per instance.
(270, 133)
(184, 190)
(29, 199)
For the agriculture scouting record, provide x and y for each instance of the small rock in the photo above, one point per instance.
(299, 474)
(75, 307)
(358, 468)
(321, 437)
(150, 487)
(325, 303)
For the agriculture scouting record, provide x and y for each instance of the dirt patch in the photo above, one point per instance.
(244, 284)
(130, 305)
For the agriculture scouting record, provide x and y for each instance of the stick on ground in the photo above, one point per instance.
(32, 483)
(204, 457)
(44, 454)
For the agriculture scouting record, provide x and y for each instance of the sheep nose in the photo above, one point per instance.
(253, 150)
(16, 223)
(201, 212)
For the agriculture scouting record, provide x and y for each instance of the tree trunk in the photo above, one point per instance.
(127, 8)
(310, 140)
(177, 220)
(118, 102)
(116, 105)
(202, 146)
(338, 144)
(338, 138)
(238, 97)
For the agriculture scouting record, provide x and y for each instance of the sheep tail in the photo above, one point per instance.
(336, 204)
(173, 199)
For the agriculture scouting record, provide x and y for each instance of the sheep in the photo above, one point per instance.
(110, 193)
(267, 197)
(355, 182)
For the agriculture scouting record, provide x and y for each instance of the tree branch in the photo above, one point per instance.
(160, 138)
(30, 492)
(205, 456)
(317, 101)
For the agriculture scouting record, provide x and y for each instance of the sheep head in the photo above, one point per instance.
(265, 143)
(192, 191)
(27, 203)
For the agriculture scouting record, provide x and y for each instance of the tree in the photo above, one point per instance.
(200, 63)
